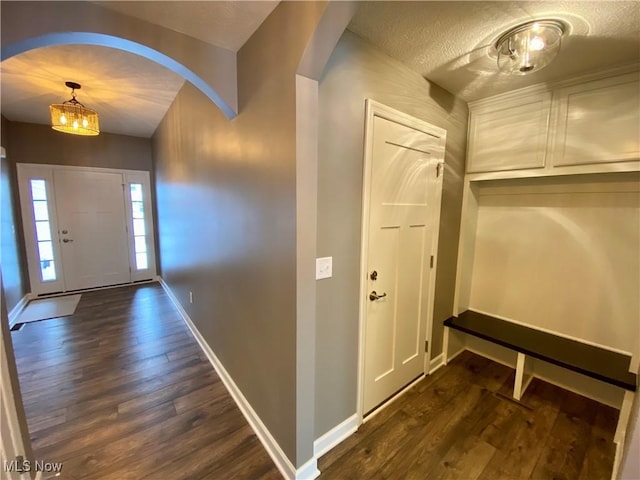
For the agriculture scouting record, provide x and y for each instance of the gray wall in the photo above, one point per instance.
(12, 256)
(226, 197)
(33, 143)
(357, 71)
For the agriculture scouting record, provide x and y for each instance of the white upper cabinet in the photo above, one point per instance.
(598, 122)
(585, 125)
(509, 135)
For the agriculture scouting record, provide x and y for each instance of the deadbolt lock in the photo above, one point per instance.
(374, 275)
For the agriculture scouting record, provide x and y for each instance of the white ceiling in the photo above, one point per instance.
(450, 43)
(130, 93)
(225, 24)
(447, 42)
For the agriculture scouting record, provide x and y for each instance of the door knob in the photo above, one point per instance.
(373, 296)
(67, 240)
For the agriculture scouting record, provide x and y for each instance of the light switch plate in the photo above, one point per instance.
(324, 267)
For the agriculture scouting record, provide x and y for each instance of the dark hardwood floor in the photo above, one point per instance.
(460, 423)
(121, 390)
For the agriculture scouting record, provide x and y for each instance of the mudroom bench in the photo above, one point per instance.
(595, 362)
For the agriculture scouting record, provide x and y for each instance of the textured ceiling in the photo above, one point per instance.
(224, 24)
(447, 42)
(130, 93)
(450, 43)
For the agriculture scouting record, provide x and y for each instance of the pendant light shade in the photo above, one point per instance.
(73, 117)
(529, 47)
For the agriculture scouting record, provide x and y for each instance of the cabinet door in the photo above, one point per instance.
(598, 122)
(509, 135)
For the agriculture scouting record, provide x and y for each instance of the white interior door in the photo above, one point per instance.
(403, 219)
(92, 225)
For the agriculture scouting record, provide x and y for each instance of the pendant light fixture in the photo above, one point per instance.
(529, 47)
(73, 117)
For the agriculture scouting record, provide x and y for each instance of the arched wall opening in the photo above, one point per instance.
(110, 41)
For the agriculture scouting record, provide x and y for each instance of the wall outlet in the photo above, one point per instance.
(324, 267)
(191, 297)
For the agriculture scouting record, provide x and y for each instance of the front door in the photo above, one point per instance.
(92, 223)
(403, 220)
(86, 227)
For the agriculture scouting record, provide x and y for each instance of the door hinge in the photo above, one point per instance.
(431, 262)
(426, 345)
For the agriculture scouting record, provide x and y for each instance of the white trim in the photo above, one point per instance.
(17, 310)
(33, 296)
(553, 332)
(336, 435)
(270, 444)
(373, 109)
(459, 352)
(621, 431)
(549, 86)
(436, 362)
(308, 471)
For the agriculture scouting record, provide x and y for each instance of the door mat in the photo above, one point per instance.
(47, 308)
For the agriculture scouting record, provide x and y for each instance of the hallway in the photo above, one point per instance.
(121, 390)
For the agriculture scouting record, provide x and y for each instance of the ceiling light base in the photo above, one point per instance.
(529, 47)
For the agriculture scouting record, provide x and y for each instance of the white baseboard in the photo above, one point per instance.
(17, 310)
(436, 362)
(309, 470)
(336, 435)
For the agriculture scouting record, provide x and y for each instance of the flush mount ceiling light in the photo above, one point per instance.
(529, 47)
(73, 117)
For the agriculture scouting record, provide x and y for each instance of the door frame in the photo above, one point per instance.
(376, 109)
(25, 171)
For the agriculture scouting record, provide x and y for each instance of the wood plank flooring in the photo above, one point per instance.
(461, 423)
(121, 390)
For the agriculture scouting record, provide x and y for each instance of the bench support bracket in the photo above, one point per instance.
(523, 377)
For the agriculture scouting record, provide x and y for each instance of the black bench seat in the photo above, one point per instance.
(605, 365)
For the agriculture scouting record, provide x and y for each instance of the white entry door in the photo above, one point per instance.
(86, 227)
(92, 223)
(404, 189)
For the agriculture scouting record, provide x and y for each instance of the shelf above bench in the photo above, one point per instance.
(599, 363)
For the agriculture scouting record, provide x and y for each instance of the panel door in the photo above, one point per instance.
(92, 226)
(404, 193)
